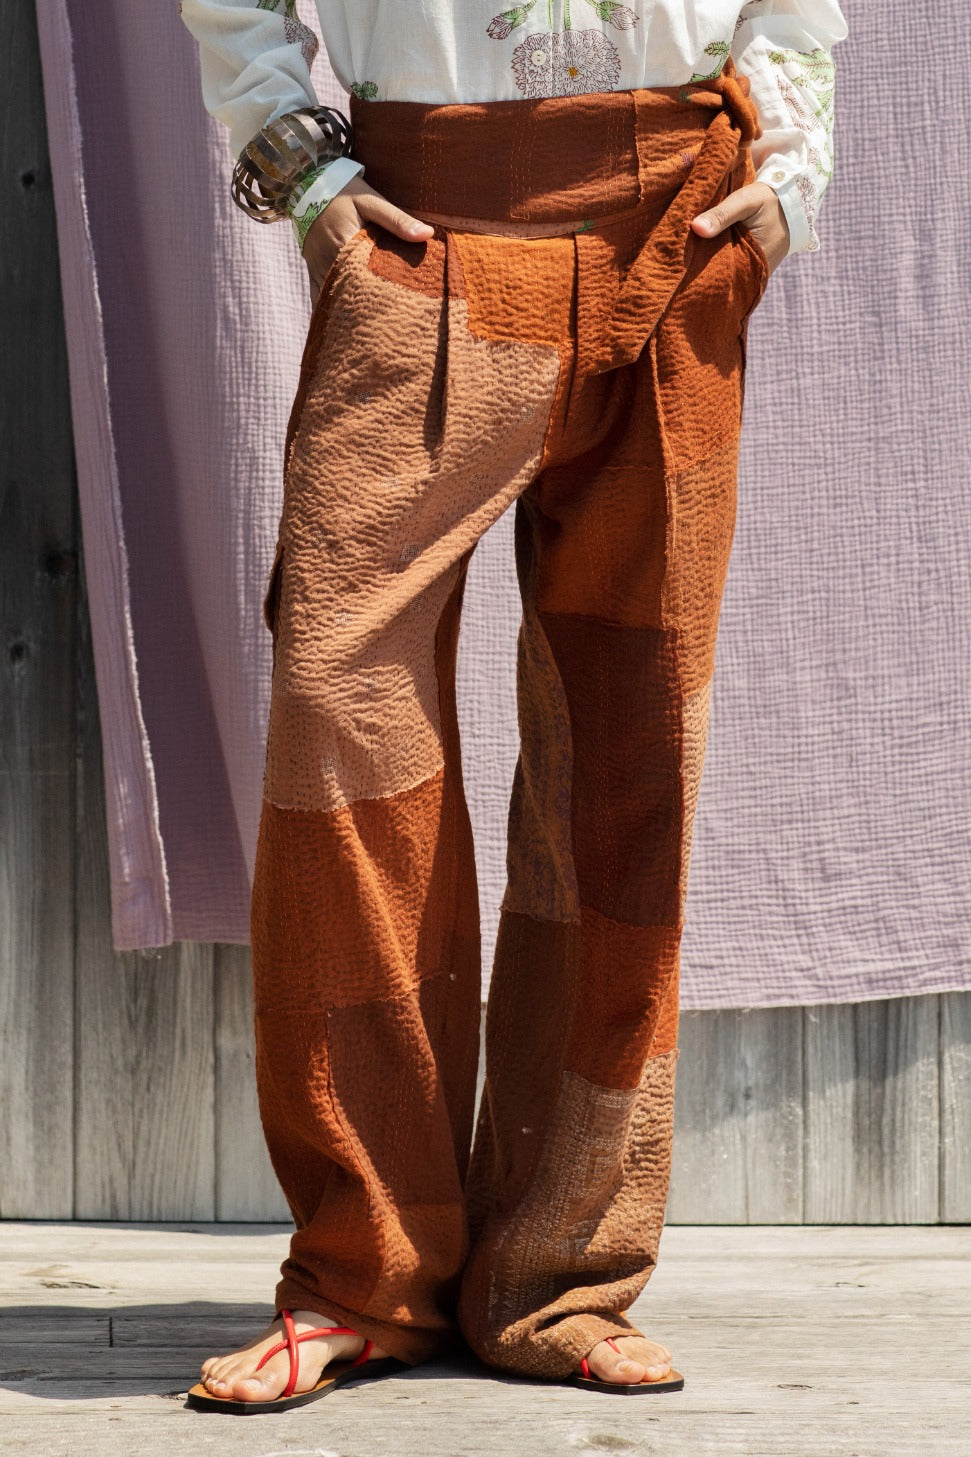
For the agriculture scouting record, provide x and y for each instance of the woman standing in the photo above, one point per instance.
(532, 260)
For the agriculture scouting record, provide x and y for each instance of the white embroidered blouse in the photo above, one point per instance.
(255, 60)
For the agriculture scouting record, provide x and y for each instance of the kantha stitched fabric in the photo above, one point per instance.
(567, 345)
(255, 58)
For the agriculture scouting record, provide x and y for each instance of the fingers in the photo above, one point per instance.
(375, 208)
(354, 205)
(744, 202)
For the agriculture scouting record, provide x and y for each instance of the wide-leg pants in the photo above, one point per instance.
(567, 344)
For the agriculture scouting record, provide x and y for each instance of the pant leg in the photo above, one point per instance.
(622, 547)
(410, 435)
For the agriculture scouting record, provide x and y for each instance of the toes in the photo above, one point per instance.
(248, 1388)
(639, 1360)
(656, 1366)
(611, 1365)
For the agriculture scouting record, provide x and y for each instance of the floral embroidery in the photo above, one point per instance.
(502, 26)
(364, 90)
(294, 29)
(808, 97)
(621, 17)
(719, 49)
(564, 62)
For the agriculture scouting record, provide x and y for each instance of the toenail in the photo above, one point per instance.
(626, 1365)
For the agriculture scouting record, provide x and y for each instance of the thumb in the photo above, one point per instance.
(377, 209)
(738, 206)
(711, 223)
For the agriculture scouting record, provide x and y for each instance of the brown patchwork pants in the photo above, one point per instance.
(566, 343)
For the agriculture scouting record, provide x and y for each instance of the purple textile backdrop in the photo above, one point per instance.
(831, 851)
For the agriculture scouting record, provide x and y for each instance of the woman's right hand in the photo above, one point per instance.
(355, 205)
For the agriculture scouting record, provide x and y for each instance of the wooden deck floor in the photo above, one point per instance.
(828, 1341)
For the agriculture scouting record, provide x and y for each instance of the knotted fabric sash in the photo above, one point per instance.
(577, 162)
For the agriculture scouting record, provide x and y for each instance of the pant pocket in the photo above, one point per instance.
(271, 597)
(758, 266)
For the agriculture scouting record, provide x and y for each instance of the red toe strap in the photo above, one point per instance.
(292, 1342)
(359, 1360)
(585, 1368)
(289, 1344)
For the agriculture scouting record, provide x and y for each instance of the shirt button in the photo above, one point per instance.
(778, 177)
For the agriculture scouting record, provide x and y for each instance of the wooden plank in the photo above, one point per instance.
(956, 1107)
(144, 1034)
(415, 1426)
(74, 1245)
(146, 1078)
(824, 1373)
(38, 568)
(816, 1362)
(145, 1082)
(163, 1427)
(737, 1155)
(80, 1328)
(713, 1348)
(872, 1117)
(246, 1186)
(837, 1272)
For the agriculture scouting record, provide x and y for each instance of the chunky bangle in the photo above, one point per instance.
(282, 154)
(311, 195)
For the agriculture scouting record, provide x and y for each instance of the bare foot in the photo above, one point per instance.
(637, 1358)
(235, 1376)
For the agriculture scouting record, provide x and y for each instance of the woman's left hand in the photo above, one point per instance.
(757, 206)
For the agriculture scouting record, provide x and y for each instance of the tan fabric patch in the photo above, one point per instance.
(414, 437)
(694, 737)
(584, 1240)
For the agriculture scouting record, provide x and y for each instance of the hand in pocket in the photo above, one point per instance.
(356, 205)
(758, 208)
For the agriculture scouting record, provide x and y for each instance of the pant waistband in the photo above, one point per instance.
(571, 160)
(550, 159)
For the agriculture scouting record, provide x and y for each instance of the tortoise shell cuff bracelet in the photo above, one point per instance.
(284, 153)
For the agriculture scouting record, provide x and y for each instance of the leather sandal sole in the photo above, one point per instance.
(338, 1373)
(674, 1381)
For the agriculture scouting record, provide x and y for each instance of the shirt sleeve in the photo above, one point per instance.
(785, 49)
(255, 58)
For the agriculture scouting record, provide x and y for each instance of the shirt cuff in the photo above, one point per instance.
(787, 186)
(311, 195)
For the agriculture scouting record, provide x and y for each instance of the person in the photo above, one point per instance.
(534, 248)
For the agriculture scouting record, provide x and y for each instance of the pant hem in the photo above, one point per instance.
(412, 1345)
(556, 1351)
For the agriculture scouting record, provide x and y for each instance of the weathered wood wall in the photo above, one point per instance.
(126, 1081)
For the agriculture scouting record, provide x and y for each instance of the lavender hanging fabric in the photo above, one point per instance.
(830, 852)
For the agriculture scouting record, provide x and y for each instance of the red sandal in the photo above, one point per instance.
(674, 1381)
(337, 1373)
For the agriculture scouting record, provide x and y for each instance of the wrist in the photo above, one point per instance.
(313, 194)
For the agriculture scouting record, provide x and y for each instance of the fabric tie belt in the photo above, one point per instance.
(571, 163)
